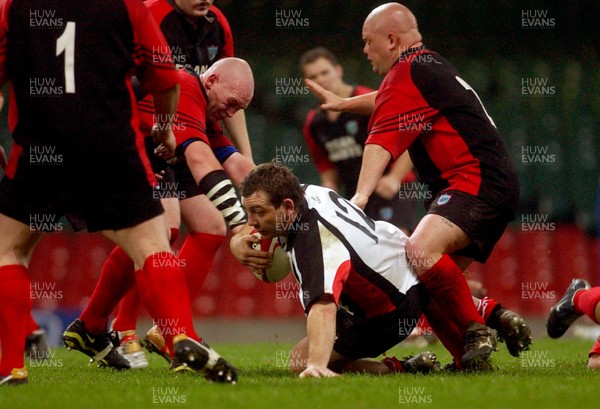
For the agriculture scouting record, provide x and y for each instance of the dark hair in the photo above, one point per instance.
(314, 54)
(277, 181)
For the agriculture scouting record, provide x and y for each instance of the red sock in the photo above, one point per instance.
(15, 307)
(31, 325)
(446, 330)
(198, 251)
(115, 280)
(585, 302)
(446, 284)
(485, 307)
(163, 291)
(129, 310)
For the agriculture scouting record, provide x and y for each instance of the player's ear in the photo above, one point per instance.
(288, 204)
(393, 41)
(210, 81)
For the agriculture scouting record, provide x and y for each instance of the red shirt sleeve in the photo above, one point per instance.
(317, 151)
(152, 55)
(399, 117)
(227, 50)
(190, 119)
(4, 7)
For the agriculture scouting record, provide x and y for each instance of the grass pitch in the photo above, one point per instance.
(552, 375)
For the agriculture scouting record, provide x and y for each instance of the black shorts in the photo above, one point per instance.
(185, 185)
(368, 338)
(482, 222)
(108, 185)
(400, 213)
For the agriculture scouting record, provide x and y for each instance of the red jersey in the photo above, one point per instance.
(190, 122)
(424, 106)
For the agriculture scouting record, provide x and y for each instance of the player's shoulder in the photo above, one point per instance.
(316, 195)
(220, 16)
(158, 8)
(430, 64)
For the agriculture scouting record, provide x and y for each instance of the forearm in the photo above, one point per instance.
(401, 167)
(238, 132)
(320, 329)
(165, 106)
(361, 104)
(375, 160)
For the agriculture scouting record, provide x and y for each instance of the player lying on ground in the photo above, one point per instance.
(579, 299)
(341, 258)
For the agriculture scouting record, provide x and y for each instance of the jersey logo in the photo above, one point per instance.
(443, 199)
(352, 127)
(212, 52)
(386, 213)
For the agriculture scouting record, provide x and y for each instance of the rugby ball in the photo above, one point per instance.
(280, 268)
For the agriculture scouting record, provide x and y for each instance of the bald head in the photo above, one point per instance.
(229, 85)
(388, 31)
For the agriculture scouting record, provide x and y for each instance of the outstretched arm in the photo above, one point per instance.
(374, 161)
(238, 132)
(320, 330)
(363, 104)
(389, 184)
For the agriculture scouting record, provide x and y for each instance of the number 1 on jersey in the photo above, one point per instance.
(66, 43)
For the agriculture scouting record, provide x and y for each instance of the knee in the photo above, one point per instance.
(594, 361)
(296, 364)
(419, 256)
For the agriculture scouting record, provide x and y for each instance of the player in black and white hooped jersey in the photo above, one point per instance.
(341, 258)
(360, 294)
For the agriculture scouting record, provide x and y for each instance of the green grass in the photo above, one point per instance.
(554, 375)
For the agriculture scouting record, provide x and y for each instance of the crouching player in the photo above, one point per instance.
(341, 258)
(354, 282)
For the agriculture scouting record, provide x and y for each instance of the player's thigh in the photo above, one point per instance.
(436, 235)
(200, 160)
(200, 215)
(142, 240)
(17, 241)
(370, 337)
(172, 212)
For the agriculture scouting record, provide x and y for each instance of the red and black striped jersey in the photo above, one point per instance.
(70, 63)
(198, 44)
(334, 248)
(189, 122)
(423, 105)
